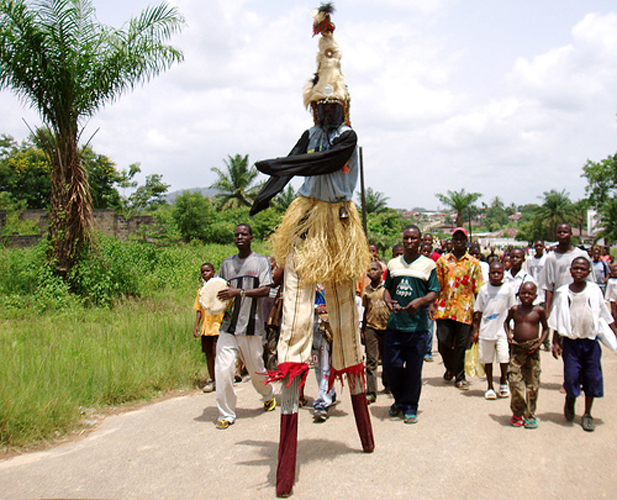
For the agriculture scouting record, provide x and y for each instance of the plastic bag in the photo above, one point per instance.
(607, 337)
(473, 367)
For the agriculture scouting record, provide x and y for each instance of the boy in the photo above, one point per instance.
(575, 317)
(490, 309)
(209, 330)
(611, 291)
(524, 370)
(426, 249)
(374, 322)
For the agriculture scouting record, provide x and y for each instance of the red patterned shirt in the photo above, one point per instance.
(460, 281)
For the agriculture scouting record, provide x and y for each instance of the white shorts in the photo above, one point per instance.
(487, 349)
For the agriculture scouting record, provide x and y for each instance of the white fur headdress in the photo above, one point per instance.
(328, 83)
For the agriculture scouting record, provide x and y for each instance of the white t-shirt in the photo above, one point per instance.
(516, 282)
(611, 290)
(494, 302)
(535, 267)
(556, 272)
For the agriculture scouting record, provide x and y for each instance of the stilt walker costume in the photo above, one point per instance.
(320, 240)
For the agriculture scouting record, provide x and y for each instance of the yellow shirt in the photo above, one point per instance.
(210, 324)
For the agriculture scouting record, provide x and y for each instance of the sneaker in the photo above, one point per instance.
(517, 421)
(320, 415)
(490, 394)
(224, 424)
(531, 423)
(568, 409)
(587, 423)
(270, 404)
(504, 391)
(209, 387)
(428, 358)
(371, 398)
(410, 418)
(394, 410)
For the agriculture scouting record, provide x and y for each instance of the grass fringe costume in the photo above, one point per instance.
(320, 240)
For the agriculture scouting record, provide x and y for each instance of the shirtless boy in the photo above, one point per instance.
(525, 341)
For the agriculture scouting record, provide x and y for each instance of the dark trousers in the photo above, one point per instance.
(403, 355)
(453, 340)
(373, 341)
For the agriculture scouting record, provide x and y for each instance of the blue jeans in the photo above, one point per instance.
(403, 357)
(429, 341)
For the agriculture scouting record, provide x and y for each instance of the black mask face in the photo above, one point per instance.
(330, 115)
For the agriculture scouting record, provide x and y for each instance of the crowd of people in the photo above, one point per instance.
(505, 304)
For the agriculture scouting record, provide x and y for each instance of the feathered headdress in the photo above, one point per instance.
(328, 83)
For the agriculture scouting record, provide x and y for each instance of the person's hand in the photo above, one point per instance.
(557, 350)
(534, 348)
(229, 293)
(393, 305)
(196, 331)
(431, 311)
(413, 306)
(474, 337)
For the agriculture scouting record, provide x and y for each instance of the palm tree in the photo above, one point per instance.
(557, 208)
(285, 197)
(460, 202)
(63, 62)
(234, 185)
(375, 201)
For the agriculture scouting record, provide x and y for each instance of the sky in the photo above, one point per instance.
(506, 99)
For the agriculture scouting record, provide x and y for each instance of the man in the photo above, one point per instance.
(460, 279)
(556, 272)
(242, 329)
(411, 287)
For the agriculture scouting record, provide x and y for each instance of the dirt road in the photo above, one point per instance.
(462, 447)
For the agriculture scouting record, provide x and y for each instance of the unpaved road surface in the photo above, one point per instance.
(462, 447)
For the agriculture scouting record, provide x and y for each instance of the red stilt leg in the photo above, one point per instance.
(288, 444)
(363, 421)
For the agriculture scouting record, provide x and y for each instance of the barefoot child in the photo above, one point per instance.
(490, 309)
(525, 341)
(209, 330)
(575, 317)
(610, 295)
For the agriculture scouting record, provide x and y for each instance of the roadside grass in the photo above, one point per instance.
(63, 353)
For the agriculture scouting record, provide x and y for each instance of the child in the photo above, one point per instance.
(376, 314)
(426, 249)
(524, 369)
(490, 309)
(209, 330)
(611, 291)
(575, 317)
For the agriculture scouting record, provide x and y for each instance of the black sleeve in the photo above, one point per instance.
(299, 162)
(308, 164)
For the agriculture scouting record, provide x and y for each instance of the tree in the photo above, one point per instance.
(602, 190)
(557, 208)
(375, 201)
(284, 198)
(460, 202)
(63, 62)
(25, 173)
(234, 186)
(193, 214)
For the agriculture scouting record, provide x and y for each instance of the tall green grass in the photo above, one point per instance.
(124, 337)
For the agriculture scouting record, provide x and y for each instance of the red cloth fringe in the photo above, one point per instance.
(292, 369)
(350, 370)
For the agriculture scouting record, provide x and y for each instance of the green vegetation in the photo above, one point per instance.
(125, 337)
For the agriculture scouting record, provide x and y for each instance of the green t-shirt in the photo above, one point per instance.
(407, 281)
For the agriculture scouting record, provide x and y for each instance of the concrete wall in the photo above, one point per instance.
(105, 221)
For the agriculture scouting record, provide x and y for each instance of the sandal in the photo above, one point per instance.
(463, 385)
(224, 424)
(517, 421)
(531, 423)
